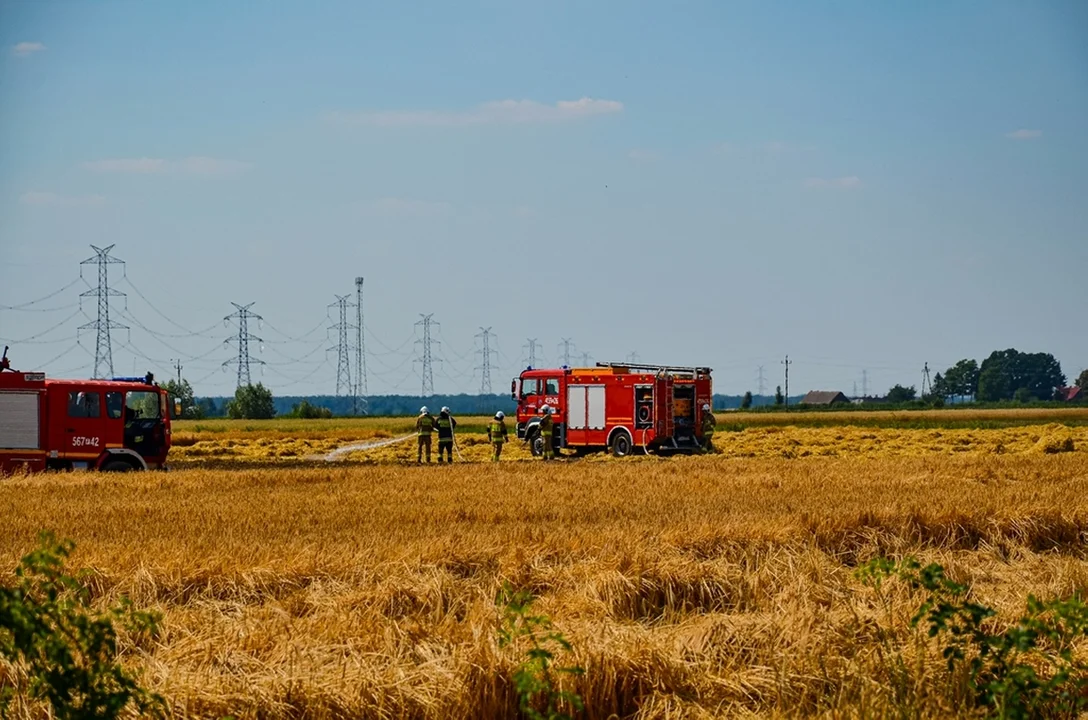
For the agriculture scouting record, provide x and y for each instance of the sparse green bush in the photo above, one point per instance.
(66, 649)
(1025, 671)
(535, 679)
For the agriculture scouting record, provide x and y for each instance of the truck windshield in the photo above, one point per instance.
(528, 387)
(141, 404)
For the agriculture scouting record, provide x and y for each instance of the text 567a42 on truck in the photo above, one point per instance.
(110, 425)
(618, 407)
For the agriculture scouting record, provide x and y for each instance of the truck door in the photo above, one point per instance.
(84, 425)
(663, 407)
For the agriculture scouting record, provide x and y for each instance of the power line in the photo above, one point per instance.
(22, 306)
(632, 357)
(103, 353)
(585, 359)
(427, 378)
(486, 352)
(243, 315)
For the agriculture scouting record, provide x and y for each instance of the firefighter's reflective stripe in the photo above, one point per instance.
(425, 425)
(444, 423)
(495, 430)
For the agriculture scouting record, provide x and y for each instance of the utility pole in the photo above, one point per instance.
(243, 315)
(865, 383)
(359, 405)
(927, 384)
(177, 366)
(486, 352)
(531, 347)
(855, 389)
(566, 351)
(343, 367)
(762, 382)
(787, 362)
(427, 389)
(103, 352)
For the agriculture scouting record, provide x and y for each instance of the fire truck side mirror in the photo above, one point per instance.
(514, 389)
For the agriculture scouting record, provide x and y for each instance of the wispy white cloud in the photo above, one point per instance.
(24, 49)
(1023, 134)
(843, 183)
(643, 155)
(194, 165)
(498, 112)
(49, 199)
(405, 207)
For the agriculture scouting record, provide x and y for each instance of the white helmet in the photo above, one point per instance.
(445, 410)
(499, 415)
(423, 410)
(706, 407)
(546, 409)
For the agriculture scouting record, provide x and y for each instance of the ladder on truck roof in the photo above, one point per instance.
(656, 368)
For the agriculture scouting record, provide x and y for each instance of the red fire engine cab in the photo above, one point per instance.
(615, 406)
(110, 425)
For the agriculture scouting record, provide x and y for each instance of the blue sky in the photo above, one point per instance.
(864, 186)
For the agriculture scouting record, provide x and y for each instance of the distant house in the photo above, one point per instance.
(1071, 394)
(825, 397)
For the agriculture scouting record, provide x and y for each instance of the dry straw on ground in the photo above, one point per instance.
(690, 588)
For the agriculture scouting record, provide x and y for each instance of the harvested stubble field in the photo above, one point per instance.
(696, 587)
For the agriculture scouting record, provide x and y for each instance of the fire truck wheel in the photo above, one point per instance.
(536, 445)
(117, 466)
(621, 444)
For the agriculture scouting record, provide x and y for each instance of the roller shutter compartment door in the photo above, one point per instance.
(19, 421)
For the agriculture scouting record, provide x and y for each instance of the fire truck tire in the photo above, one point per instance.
(117, 466)
(536, 444)
(621, 444)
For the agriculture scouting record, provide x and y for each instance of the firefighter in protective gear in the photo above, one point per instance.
(424, 428)
(496, 434)
(446, 424)
(547, 428)
(708, 428)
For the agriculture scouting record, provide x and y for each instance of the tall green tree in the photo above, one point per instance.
(900, 394)
(183, 392)
(251, 402)
(1082, 380)
(1005, 372)
(746, 401)
(779, 398)
(961, 379)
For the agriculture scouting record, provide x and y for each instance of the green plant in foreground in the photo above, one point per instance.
(535, 679)
(1025, 671)
(68, 650)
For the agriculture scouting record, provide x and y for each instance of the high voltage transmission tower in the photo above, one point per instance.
(531, 347)
(343, 368)
(927, 383)
(566, 345)
(787, 362)
(361, 401)
(427, 376)
(486, 352)
(762, 382)
(585, 359)
(632, 357)
(103, 353)
(243, 315)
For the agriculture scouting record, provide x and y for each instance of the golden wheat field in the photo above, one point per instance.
(693, 587)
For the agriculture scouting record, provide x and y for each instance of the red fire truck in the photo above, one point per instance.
(618, 407)
(110, 425)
